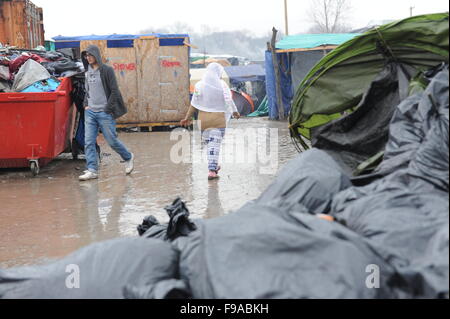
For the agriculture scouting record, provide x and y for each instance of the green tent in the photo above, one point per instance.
(263, 109)
(338, 83)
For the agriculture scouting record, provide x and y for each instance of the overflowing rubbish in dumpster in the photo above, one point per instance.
(24, 75)
(47, 65)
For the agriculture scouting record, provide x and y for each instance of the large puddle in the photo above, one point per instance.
(52, 215)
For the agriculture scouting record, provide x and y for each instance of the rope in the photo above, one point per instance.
(386, 47)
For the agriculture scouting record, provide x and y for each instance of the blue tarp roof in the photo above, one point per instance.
(248, 73)
(309, 41)
(118, 37)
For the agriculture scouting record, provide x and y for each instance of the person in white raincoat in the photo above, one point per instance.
(212, 98)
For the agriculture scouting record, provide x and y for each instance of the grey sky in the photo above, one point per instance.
(85, 17)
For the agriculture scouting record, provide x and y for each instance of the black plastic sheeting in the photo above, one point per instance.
(108, 270)
(390, 238)
(407, 211)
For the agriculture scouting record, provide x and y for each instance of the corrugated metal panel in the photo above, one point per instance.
(21, 24)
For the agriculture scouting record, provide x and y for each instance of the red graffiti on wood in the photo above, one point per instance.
(123, 66)
(170, 64)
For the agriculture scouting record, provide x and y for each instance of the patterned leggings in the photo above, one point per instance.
(212, 138)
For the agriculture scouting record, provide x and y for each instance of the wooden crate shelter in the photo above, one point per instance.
(152, 72)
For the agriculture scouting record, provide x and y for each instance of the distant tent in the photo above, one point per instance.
(245, 73)
(250, 79)
(296, 55)
(341, 80)
(244, 102)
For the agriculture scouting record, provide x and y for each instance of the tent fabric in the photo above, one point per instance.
(286, 85)
(248, 73)
(338, 82)
(309, 41)
(263, 109)
(243, 102)
(302, 63)
(363, 133)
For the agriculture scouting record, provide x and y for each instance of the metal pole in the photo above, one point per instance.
(411, 11)
(286, 17)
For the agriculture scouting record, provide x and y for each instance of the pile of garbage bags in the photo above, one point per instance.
(312, 234)
(35, 71)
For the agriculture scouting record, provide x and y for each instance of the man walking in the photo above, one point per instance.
(103, 104)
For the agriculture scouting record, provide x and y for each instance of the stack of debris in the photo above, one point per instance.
(34, 71)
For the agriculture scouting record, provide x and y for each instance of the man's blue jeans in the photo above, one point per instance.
(107, 124)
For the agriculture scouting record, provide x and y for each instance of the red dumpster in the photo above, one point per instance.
(35, 128)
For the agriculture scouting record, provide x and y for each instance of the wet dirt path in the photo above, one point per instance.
(52, 215)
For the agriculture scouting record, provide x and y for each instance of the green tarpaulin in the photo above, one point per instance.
(263, 109)
(337, 83)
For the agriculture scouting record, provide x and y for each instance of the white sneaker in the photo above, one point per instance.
(88, 175)
(129, 168)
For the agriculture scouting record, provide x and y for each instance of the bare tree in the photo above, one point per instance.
(329, 16)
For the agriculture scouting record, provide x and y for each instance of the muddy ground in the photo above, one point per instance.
(54, 214)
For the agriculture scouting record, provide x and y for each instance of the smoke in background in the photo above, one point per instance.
(210, 41)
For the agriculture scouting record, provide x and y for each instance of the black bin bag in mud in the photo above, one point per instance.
(264, 252)
(406, 213)
(310, 182)
(106, 270)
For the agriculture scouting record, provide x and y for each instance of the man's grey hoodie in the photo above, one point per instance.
(116, 106)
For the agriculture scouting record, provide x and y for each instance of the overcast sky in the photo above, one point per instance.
(85, 17)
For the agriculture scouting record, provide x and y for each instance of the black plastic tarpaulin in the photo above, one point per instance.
(107, 270)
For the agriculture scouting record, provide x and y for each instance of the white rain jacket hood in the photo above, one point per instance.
(209, 92)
